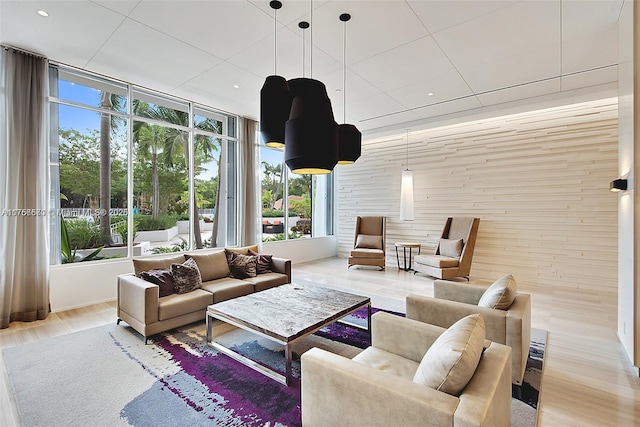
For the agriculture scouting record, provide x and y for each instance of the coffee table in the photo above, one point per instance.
(284, 314)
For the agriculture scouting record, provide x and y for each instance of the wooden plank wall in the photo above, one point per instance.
(538, 181)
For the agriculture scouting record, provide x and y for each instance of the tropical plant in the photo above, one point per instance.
(175, 247)
(123, 230)
(148, 223)
(68, 254)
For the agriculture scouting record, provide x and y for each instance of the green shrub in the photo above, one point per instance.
(274, 213)
(175, 247)
(147, 223)
(84, 234)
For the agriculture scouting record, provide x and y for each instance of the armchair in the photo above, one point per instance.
(453, 301)
(454, 252)
(376, 387)
(369, 244)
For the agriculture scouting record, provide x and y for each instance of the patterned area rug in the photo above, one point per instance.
(106, 376)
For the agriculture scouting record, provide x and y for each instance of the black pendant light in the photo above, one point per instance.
(275, 98)
(311, 133)
(349, 137)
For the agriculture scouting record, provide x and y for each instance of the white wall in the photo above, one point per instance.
(539, 182)
(629, 161)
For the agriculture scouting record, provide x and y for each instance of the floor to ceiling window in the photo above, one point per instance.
(130, 164)
(308, 210)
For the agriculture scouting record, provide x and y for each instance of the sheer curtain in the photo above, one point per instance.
(249, 176)
(24, 187)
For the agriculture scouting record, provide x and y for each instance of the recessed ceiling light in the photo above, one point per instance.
(430, 94)
(42, 13)
(236, 86)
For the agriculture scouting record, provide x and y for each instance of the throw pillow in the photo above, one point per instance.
(161, 277)
(146, 264)
(244, 250)
(501, 294)
(186, 276)
(366, 241)
(212, 265)
(451, 248)
(263, 262)
(242, 266)
(453, 358)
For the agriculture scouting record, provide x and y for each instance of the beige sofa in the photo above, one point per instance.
(453, 301)
(376, 388)
(140, 305)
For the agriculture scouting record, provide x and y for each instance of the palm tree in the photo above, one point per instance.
(204, 147)
(273, 176)
(150, 140)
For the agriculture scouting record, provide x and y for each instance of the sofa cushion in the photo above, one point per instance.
(161, 277)
(175, 305)
(438, 261)
(451, 248)
(453, 358)
(227, 288)
(242, 266)
(212, 265)
(244, 250)
(186, 276)
(263, 262)
(500, 295)
(387, 362)
(366, 241)
(267, 280)
(146, 264)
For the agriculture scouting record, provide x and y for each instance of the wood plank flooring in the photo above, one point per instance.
(587, 381)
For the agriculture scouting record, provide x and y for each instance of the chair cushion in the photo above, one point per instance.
(367, 253)
(453, 358)
(366, 241)
(186, 276)
(387, 362)
(146, 264)
(212, 265)
(451, 247)
(438, 261)
(500, 295)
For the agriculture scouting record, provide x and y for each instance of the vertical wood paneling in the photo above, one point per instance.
(539, 182)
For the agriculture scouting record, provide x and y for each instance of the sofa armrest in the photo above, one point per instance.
(444, 313)
(282, 265)
(461, 292)
(412, 343)
(337, 391)
(138, 298)
(518, 330)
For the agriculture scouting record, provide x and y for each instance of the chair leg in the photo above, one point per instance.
(118, 321)
(146, 340)
(467, 277)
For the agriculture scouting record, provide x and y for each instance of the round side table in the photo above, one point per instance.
(405, 246)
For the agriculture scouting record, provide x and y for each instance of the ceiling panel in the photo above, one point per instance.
(520, 92)
(123, 7)
(440, 15)
(161, 61)
(590, 78)
(443, 88)
(590, 51)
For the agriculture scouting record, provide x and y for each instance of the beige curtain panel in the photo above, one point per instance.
(24, 187)
(249, 182)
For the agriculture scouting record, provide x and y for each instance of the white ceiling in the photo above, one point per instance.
(469, 54)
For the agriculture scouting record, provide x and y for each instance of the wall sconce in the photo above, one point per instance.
(619, 184)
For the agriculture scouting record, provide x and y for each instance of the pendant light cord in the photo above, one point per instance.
(304, 47)
(407, 149)
(344, 74)
(311, 38)
(275, 43)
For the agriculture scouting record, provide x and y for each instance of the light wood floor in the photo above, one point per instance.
(587, 378)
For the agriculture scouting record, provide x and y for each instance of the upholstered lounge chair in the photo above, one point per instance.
(453, 301)
(369, 245)
(377, 388)
(454, 252)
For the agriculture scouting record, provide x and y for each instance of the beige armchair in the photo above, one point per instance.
(376, 387)
(454, 252)
(453, 301)
(369, 244)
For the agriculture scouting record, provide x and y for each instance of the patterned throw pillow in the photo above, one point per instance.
(263, 262)
(186, 276)
(242, 266)
(161, 277)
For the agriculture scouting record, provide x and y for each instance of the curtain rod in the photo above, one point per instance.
(24, 51)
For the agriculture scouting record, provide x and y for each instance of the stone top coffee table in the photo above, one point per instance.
(284, 314)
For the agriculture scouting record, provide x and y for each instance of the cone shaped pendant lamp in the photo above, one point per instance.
(349, 137)
(275, 98)
(311, 133)
(406, 191)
